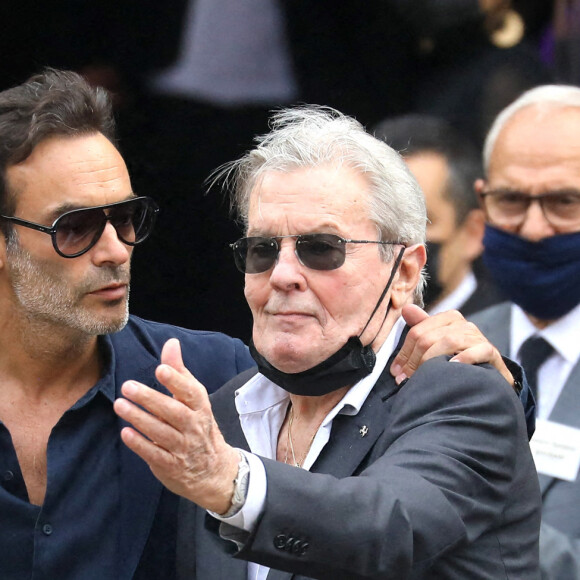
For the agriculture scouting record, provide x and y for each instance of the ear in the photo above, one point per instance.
(408, 275)
(472, 230)
(479, 186)
(2, 251)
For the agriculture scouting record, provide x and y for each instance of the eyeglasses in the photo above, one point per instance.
(75, 232)
(508, 208)
(316, 251)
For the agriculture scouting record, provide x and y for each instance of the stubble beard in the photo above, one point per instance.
(45, 296)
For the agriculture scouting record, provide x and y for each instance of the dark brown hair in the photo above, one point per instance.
(48, 104)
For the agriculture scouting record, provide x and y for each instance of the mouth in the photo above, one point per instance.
(291, 316)
(115, 291)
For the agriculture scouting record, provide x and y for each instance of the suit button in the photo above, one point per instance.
(280, 541)
(299, 548)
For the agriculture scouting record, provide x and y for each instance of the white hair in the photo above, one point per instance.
(545, 96)
(312, 136)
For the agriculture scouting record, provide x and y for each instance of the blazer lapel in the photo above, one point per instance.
(351, 439)
(140, 490)
(353, 436)
(140, 493)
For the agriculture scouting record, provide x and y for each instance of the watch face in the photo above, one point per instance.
(240, 488)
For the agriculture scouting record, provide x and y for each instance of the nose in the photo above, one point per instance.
(288, 273)
(535, 226)
(110, 249)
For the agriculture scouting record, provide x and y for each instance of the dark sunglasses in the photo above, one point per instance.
(316, 251)
(75, 232)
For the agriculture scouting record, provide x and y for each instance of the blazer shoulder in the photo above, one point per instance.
(493, 314)
(212, 357)
(439, 386)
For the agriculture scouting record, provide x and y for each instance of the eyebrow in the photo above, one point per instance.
(69, 206)
(322, 229)
(563, 190)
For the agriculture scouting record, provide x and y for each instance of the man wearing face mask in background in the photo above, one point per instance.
(531, 197)
(446, 165)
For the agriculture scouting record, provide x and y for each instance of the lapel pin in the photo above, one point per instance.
(363, 430)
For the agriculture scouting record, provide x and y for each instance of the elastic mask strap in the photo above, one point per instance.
(384, 293)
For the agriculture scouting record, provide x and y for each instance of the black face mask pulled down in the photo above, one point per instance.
(351, 363)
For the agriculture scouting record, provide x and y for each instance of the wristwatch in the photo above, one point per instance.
(240, 487)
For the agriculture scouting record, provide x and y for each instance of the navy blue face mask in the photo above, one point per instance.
(348, 365)
(543, 278)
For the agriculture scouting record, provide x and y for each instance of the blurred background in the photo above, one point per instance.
(194, 80)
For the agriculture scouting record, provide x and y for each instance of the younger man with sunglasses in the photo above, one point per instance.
(75, 503)
(317, 463)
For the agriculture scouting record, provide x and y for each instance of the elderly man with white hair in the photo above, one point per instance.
(317, 464)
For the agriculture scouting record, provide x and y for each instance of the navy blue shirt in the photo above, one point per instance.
(104, 516)
(74, 534)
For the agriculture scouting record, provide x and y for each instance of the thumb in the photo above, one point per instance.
(171, 355)
(413, 314)
(175, 376)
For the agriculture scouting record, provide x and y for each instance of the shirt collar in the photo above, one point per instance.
(259, 393)
(458, 297)
(106, 384)
(561, 334)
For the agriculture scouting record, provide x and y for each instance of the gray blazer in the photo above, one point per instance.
(441, 484)
(560, 531)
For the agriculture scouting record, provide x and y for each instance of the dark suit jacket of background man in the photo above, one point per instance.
(560, 537)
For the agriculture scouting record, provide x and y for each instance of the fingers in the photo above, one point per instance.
(151, 437)
(477, 354)
(447, 333)
(429, 336)
(159, 417)
(149, 451)
(183, 447)
(485, 353)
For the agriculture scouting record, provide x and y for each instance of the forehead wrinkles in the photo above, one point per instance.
(98, 175)
(331, 191)
(57, 160)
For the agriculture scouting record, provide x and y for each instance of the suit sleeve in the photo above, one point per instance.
(525, 394)
(436, 480)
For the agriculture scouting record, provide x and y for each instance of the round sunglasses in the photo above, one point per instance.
(75, 232)
(255, 255)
